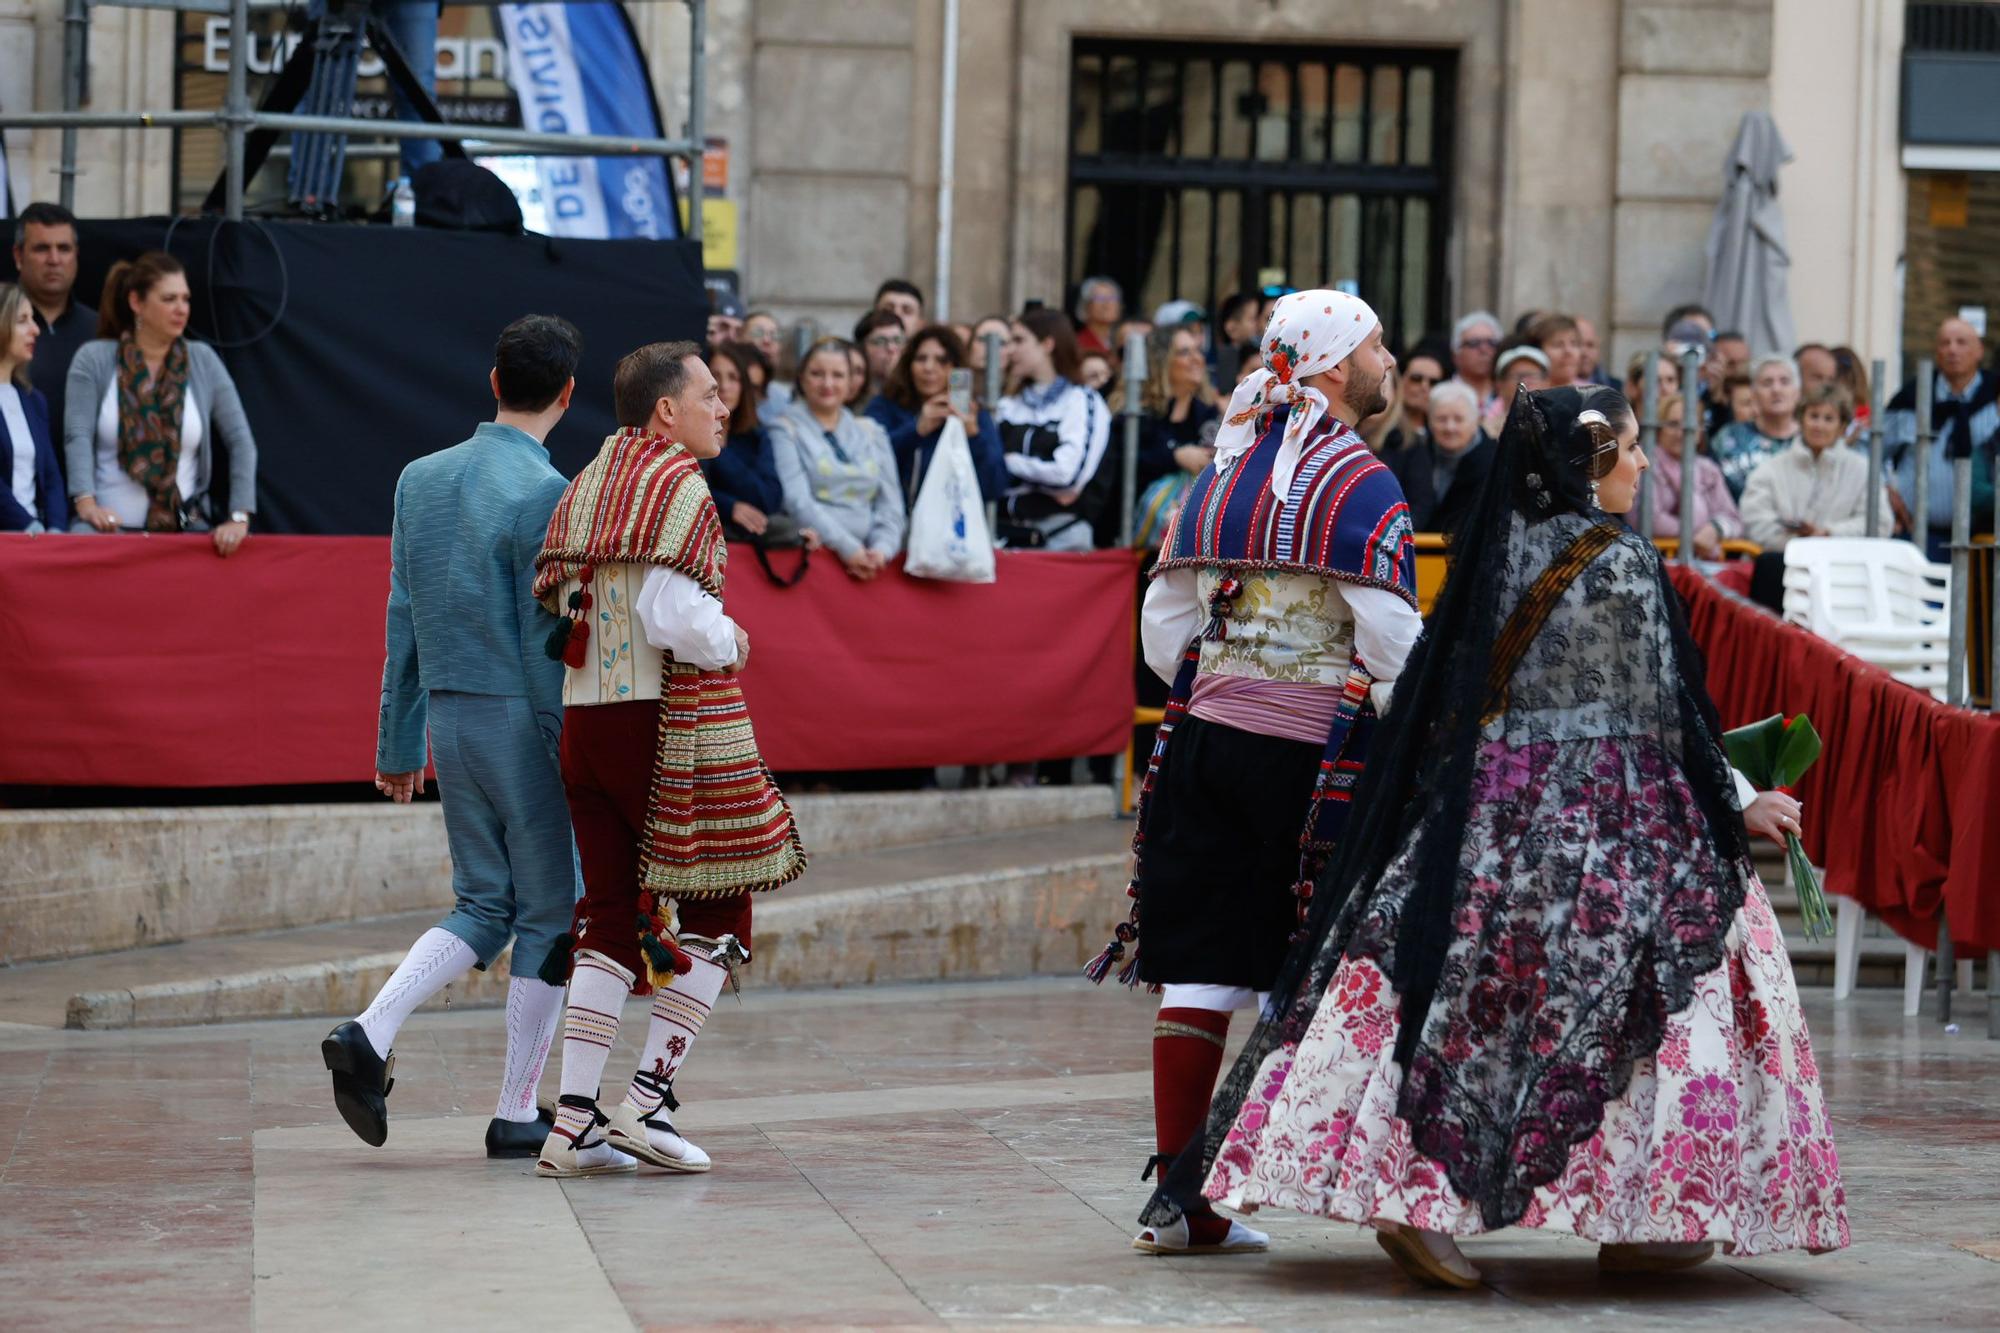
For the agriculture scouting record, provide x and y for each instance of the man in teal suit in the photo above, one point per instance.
(467, 663)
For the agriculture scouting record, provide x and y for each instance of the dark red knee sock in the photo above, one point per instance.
(1187, 1057)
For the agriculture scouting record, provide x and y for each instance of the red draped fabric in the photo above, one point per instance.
(149, 662)
(1901, 809)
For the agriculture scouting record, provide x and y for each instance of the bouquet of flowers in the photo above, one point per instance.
(1774, 754)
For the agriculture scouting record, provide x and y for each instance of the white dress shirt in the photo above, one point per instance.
(680, 617)
(15, 422)
(1385, 628)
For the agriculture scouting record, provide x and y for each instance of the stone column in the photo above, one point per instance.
(1689, 69)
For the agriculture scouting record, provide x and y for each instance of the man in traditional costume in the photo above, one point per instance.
(466, 663)
(677, 819)
(1281, 610)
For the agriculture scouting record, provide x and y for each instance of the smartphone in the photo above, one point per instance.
(961, 390)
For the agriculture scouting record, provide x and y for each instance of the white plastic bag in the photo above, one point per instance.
(948, 534)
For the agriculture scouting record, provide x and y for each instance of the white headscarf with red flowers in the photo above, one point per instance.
(1310, 332)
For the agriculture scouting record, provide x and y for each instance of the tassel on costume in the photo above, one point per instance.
(659, 941)
(554, 970)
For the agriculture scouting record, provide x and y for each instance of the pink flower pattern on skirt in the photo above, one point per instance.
(1722, 1136)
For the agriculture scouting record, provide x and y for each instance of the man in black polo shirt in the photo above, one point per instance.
(45, 249)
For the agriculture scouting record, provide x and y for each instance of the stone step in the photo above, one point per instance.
(1033, 901)
(78, 882)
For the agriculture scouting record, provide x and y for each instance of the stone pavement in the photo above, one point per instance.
(954, 1154)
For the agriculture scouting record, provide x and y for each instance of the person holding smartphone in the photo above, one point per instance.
(929, 385)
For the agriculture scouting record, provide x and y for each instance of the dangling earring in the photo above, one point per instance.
(1593, 495)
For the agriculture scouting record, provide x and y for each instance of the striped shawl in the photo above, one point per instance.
(716, 824)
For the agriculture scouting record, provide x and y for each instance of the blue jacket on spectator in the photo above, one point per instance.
(745, 472)
(913, 451)
(51, 498)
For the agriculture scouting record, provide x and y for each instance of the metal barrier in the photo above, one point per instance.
(237, 118)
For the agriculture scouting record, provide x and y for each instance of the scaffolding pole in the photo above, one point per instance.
(76, 32)
(697, 94)
(1649, 437)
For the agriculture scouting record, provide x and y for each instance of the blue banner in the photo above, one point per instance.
(549, 49)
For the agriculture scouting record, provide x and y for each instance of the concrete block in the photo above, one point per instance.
(824, 239)
(815, 22)
(76, 882)
(86, 881)
(1674, 133)
(1696, 40)
(1659, 260)
(1033, 919)
(1039, 918)
(303, 990)
(833, 109)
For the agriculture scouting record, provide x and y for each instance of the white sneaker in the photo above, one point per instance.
(653, 1140)
(1173, 1239)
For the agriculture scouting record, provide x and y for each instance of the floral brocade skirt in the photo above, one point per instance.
(1721, 1135)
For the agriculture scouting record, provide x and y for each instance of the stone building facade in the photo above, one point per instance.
(1572, 149)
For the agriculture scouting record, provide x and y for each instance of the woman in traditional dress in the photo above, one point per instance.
(1541, 985)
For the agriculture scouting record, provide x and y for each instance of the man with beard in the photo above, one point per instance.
(1282, 608)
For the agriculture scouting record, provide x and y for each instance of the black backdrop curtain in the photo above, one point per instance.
(357, 349)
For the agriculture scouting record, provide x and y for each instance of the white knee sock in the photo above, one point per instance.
(532, 1009)
(437, 959)
(679, 1010)
(597, 991)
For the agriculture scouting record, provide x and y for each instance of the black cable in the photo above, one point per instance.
(284, 278)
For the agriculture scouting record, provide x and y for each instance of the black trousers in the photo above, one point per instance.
(1221, 855)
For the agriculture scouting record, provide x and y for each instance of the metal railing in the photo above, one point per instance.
(236, 118)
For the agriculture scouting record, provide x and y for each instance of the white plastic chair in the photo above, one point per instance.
(1877, 598)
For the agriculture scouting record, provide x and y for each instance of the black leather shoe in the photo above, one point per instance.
(361, 1082)
(518, 1138)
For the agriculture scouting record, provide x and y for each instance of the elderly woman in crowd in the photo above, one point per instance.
(743, 478)
(145, 411)
(915, 404)
(1054, 430)
(1100, 308)
(837, 470)
(1555, 334)
(1475, 340)
(1740, 447)
(31, 486)
(1811, 488)
(1715, 516)
(1443, 469)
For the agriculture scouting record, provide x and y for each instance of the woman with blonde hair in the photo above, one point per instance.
(31, 489)
(1179, 416)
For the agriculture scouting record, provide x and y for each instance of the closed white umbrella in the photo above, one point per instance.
(1747, 260)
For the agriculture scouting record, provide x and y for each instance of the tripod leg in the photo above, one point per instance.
(282, 96)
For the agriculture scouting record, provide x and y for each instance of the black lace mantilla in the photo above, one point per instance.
(1524, 1008)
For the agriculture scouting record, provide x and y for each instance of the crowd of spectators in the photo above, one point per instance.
(114, 420)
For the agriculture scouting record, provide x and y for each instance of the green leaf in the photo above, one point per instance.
(1753, 750)
(1797, 751)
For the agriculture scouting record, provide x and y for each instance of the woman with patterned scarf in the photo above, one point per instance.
(1541, 984)
(147, 412)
